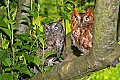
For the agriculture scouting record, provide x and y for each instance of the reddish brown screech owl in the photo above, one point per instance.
(82, 30)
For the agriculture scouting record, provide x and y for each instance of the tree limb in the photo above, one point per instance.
(105, 48)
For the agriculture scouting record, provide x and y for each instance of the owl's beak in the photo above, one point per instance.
(81, 25)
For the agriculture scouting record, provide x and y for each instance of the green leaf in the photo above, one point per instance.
(7, 62)
(13, 27)
(25, 70)
(7, 69)
(28, 47)
(64, 15)
(3, 55)
(5, 43)
(29, 58)
(18, 43)
(36, 60)
(7, 31)
(48, 53)
(47, 68)
(39, 32)
(41, 39)
(47, 20)
(33, 13)
(3, 23)
(7, 76)
(17, 67)
(14, 14)
(24, 37)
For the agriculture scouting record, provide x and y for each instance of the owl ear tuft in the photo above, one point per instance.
(89, 10)
(43, 24)
(59, 21)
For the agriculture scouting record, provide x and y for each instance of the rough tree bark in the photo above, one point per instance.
(22, 16)
(105, 48)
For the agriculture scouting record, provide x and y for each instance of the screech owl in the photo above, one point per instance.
(55, 35)
(82, 30)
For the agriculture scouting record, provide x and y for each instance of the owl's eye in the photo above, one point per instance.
(86, 19)
(56, 28)
(77, 18)
(47, 30)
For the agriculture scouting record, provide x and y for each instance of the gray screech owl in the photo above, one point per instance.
(55, 35)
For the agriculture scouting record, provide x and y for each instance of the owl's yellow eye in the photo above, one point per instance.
(86, 19)
(56, 28)
(77, 18)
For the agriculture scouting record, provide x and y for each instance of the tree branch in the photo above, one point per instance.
(105, 48)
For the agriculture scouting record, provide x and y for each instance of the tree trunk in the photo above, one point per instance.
(104, 52)
(22, 16)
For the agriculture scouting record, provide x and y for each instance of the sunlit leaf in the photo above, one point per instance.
(68, 29)
(39, 31)
(41, 39)
(14, 14)
(119, 42)
(5, 44)
(36, 60)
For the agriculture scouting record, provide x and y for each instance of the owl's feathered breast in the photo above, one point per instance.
(55, 41)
